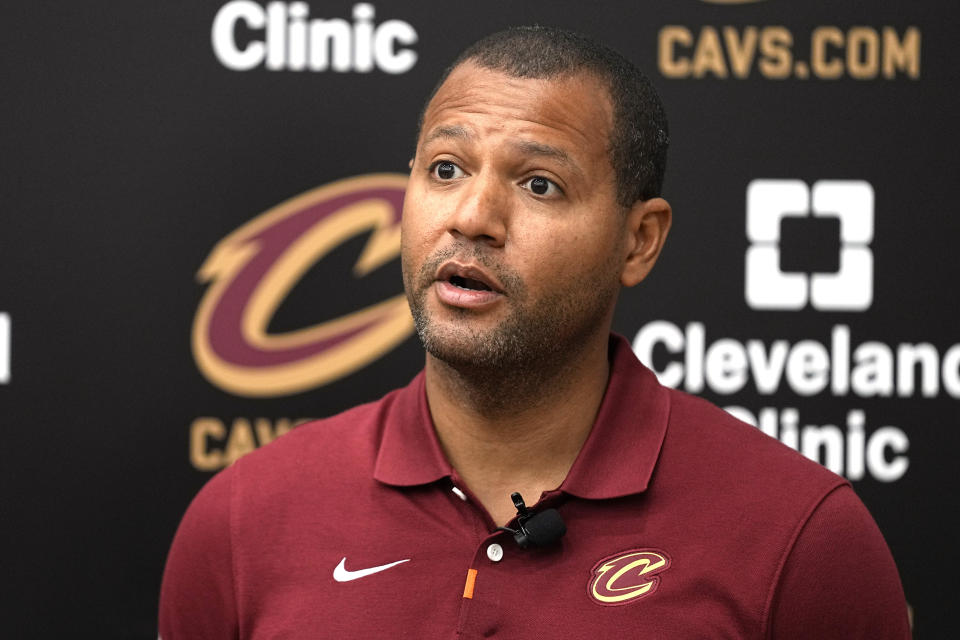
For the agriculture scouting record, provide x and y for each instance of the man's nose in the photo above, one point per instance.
(481, 213)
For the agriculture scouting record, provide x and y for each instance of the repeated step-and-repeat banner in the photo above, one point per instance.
(199, 241)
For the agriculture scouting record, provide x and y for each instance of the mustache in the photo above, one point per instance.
(465, 252)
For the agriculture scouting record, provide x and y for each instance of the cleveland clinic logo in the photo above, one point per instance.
(282, 36)
(252, 270)
(842, 212)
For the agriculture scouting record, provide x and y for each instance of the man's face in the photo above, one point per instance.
(512, 239)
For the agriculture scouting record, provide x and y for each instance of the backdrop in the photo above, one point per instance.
(198, 249)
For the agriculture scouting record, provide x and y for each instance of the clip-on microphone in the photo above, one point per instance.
(535, 529)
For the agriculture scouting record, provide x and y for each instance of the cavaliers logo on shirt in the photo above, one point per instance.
(627, 576)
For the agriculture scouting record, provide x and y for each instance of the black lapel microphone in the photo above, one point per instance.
(539, 529)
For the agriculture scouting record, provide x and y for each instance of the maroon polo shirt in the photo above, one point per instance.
(682, 523)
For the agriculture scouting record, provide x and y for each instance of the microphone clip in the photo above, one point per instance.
(544, 528)
(522, 536)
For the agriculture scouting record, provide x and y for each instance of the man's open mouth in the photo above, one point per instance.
(468, 278)
(469, 284)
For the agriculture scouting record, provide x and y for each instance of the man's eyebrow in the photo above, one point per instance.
(539, 149)
(525, 147)
(449, 131)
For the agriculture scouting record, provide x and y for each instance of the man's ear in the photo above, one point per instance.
(647, 225)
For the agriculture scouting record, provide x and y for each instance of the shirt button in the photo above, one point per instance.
(495, 552)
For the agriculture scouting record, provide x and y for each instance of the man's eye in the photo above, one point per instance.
(446, 170)
(542, 186)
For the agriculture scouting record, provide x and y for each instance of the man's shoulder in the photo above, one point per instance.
(709, 442)
(341, 446)
(752, 506)
(328, 436)
(707, 453)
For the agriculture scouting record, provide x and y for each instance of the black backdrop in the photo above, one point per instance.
(130, 151)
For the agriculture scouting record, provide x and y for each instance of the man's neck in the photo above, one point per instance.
(518, 430)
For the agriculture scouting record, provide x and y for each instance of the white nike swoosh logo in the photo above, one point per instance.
(340, 574)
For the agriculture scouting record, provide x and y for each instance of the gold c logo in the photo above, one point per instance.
(253, 269)
(627, 576)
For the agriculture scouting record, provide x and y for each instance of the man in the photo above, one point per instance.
(533, 197)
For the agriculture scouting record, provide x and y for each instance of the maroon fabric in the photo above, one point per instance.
(682, 523)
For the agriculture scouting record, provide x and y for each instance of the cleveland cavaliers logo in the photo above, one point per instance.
(627, 576)
(252, 270)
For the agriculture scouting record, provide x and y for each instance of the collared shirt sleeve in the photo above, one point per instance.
(197, 599)
(839, 579)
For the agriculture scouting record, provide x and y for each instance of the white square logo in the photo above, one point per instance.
(768, 286)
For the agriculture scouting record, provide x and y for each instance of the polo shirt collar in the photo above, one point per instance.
(410, 453)
(623, 447)
(616, 460)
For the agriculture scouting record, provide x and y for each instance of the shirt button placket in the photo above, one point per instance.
(491, 626)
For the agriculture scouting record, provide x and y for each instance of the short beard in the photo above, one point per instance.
(534, 345)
